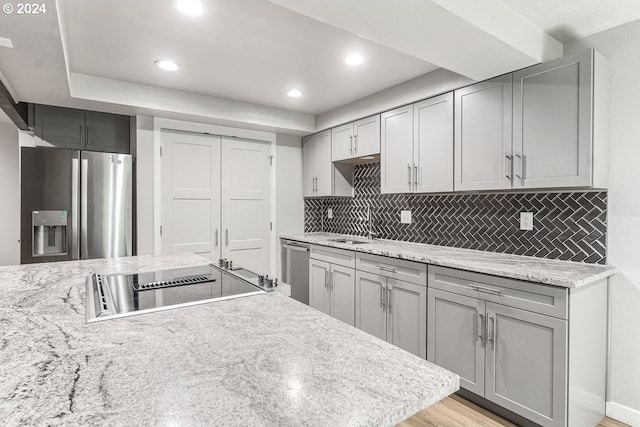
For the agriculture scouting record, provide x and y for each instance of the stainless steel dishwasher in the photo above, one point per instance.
(295, 269)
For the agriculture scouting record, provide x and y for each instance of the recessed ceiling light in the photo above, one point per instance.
(294, 93)
(354, 59)
(189, 7)
(167, 65)
(6, 42)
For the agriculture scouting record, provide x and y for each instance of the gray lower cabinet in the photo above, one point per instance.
(521, 345)
(525, 366)
(456, 332)
(332, 287)
(392, 310)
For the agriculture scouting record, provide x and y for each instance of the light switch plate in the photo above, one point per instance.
(329, 213)
(526, 221)
(405, 217)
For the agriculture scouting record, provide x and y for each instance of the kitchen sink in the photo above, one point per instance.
(350, 241)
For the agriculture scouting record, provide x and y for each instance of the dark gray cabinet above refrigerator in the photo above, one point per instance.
(62, 127)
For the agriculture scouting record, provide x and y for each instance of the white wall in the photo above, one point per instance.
(144, 184)
(289, 201)
(9, 192)
(421, 87)
(620, 46)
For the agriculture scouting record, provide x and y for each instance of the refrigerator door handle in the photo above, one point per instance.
(83, 209)
(75, 177)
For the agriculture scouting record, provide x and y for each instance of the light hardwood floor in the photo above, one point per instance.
(455, 411)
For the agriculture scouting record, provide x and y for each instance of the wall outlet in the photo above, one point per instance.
(329, 213)
(405, 217)
(526, 220)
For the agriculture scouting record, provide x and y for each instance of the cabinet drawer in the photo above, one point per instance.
(543, 299)
(407, 271)
(333, 255)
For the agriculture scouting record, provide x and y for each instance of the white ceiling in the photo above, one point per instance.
(239, 59)
(567, 20)
(249, 50)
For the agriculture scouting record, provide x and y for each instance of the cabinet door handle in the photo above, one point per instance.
(519, 175)
(216, 238)
(491, 332)
(226, 237)
(382, 297)
(409, 175)
(351, 145)
(331, 279)
(88, 135)
(480, 326)
(415, 178)
(509, 166)
(389, 300)
(355, 144)
(326, 278)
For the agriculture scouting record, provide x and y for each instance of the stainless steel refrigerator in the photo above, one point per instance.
(74, 205)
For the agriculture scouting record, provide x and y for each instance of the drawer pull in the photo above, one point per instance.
(487, 290)
(386, 268)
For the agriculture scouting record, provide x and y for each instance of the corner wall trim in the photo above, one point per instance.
(623, 413)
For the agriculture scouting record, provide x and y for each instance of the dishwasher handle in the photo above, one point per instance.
(295, 247)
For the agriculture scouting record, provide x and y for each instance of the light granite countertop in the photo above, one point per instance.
(264, 360)
(550, 272)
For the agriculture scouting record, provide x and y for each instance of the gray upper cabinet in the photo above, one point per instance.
(558, 127)
(417, 147)
(483, 144)
(59, 127)
(356, 139)
(81, 130)
(320, 177)
(396, 150)
(107, 132)
(433, 144)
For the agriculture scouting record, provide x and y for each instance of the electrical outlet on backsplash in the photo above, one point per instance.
(568, 225)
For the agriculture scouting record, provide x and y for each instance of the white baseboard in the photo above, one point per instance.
(623, 414)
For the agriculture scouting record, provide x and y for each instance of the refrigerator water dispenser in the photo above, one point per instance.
(49, 230)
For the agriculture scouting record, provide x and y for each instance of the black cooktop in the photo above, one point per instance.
(116, 295)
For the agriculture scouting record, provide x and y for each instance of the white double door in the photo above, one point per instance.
(216, 198)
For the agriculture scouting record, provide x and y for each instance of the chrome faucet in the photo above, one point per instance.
(371, 233)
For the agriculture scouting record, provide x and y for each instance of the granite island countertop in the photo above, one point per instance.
(550, 272)
(263, 360)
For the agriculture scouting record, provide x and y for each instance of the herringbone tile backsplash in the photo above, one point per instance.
(567, 226)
